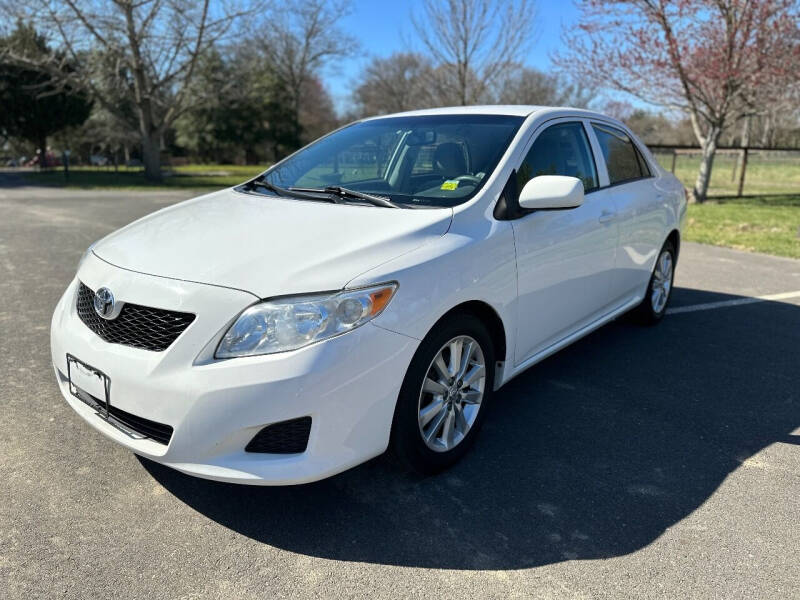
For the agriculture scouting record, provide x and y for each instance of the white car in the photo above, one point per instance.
(371, 291)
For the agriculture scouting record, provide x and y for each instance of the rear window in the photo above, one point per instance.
(622, 158)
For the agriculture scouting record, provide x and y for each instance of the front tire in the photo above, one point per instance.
(444, 396)
(654, 305)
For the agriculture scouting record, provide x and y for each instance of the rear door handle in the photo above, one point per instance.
(606, 217)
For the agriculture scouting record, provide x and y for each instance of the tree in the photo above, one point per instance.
(106, 132)
(394, 84)
(716, 60)
(147, 49)
(474, 43)
(530, 86)
(244, 108)
(652, 128)
(317, 114)
(33, 108)
(780, 115)
(302, 41)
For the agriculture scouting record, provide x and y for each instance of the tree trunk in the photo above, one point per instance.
(462, 85)
(151, 156)
(744, 144)
(706, 162)
(765, 134)
(297, 130)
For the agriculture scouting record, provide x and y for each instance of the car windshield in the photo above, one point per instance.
(438, 160)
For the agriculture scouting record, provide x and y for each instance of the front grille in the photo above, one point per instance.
(138, 326)
(286, 437)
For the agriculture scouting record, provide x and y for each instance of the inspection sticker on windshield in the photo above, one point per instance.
(450, 184)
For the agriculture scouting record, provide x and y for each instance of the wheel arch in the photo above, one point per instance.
(675, 238)
(489, 316)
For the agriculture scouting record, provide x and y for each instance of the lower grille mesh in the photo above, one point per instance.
(286, 437)
(138, 326)
(158, 432)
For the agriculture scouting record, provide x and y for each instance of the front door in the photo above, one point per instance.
(565, 258)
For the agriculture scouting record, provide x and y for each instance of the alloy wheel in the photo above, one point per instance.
(662, 282)
(451, 393)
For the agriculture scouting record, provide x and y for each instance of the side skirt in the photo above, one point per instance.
(573, 337)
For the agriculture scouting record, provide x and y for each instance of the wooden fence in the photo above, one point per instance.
(742, 151)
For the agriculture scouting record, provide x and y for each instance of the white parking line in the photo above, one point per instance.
(737, 302)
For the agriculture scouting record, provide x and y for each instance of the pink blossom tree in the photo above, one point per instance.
(718, 61)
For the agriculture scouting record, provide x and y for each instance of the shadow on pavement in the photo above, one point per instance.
(591, 454)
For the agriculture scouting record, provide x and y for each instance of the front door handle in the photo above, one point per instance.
(606, 217)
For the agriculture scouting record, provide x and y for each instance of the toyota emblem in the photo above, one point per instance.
(104, 303)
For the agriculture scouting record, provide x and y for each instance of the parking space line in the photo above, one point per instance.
(736, 302)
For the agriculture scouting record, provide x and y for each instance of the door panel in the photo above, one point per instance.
(565, 261)
(641, 226)
(640, 210)
(565, 258)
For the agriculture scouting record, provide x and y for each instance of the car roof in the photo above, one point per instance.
(517, 110)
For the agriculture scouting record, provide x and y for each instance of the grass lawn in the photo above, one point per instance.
(767, 224)
(203, 177)
(766, 173)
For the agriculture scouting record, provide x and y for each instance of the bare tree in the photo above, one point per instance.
(301, 41)
(530, 86)
(475, 43)
(716, 60)
(144, 50)
(317, 113)
(781, 113)
(394, 84)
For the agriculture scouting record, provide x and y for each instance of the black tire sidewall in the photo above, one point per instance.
(651, 315)
(407, 442)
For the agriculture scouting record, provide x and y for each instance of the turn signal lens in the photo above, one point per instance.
(380, 299)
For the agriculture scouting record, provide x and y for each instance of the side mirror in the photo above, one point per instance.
(551, 191)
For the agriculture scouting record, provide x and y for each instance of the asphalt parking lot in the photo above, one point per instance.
(638, 463)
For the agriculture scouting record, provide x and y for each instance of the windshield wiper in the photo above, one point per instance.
(340, 192)
(331, 193)
(291, 193)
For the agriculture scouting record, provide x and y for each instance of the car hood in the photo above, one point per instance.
(266, 245)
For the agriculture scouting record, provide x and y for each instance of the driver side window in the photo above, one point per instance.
(561, 149)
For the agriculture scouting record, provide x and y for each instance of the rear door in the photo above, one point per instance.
(640, 210)
(565, 258)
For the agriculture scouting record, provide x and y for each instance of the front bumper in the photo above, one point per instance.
(348, 385)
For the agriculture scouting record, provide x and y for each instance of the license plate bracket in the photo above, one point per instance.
(89, 385)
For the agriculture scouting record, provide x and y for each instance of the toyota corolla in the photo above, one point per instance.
(371, 291)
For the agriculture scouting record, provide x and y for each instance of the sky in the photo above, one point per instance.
(384, 26)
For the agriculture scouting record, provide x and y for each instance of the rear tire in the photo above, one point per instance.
(444, 396)
(654, 305)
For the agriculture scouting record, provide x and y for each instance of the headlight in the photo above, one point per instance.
(290, 323)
